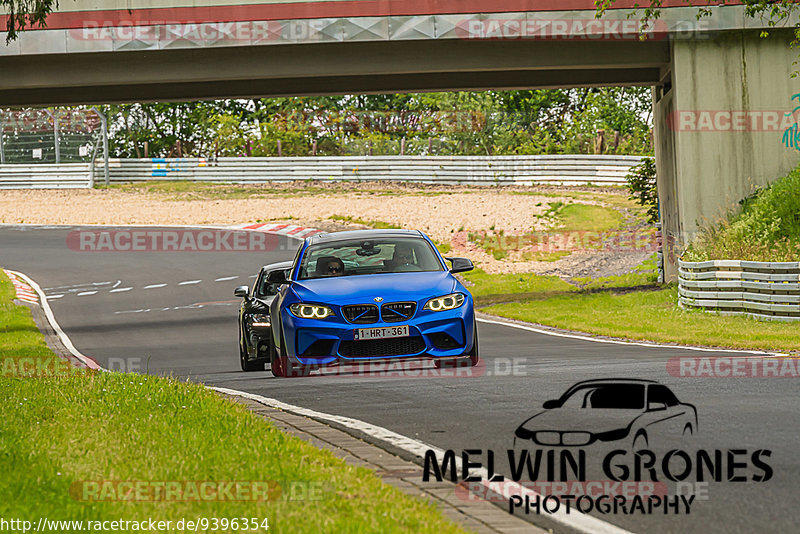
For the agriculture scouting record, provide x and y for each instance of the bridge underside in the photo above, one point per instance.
(329, 68)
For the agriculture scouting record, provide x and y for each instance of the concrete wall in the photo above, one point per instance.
(724, 119)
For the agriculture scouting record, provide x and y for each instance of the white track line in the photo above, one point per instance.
(154, 286)
(575, 520)
(622, 342)
(225, 278)
(85, 293)
(189, 282)
(87, 361)
(120, 289)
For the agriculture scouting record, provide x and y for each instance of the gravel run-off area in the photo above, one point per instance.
(446, 213)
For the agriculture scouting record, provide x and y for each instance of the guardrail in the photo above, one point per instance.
(764, 290)
(46, 176)
(434, 169)
(487, 170)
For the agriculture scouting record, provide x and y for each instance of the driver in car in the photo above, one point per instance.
(329, 266)
(403, 256)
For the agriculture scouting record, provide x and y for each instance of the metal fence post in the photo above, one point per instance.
(2, 146)
(56, 140)
(104, 124)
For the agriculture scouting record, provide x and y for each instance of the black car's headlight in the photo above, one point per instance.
(447, 302)
(259, 320)
(310, 311)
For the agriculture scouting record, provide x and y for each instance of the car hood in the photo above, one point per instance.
(391, 287)
(581, 419)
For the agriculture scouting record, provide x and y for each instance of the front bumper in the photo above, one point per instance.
(432, 335)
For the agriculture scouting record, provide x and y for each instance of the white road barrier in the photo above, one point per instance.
(45, 176)
(764, 290)
(481, 170)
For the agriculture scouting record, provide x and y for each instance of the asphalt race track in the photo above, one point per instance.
(174, 313)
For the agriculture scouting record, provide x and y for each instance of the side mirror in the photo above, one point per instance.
(549, 405)
(656, 406)
(242, 291)
(277, 277)
(460, 265)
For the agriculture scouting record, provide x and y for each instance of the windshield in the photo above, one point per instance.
(609, 396)
(368, 256)
(266, 289)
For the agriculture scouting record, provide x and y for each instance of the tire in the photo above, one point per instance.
(472, 357)
(281, 367)
(248, 365)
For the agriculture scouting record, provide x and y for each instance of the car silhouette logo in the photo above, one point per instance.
(612, 409)
(378, 299)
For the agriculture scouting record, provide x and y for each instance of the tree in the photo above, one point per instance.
(773, 11)
(642, 186)
(22, 14)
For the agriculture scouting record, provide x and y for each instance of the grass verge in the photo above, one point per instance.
(652, 316)
(628, 306)
(61, 431)
(564, 219)
(767, 228)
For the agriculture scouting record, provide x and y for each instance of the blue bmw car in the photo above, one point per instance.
(371, 295)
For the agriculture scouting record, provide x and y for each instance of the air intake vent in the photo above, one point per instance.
(361, 313)
(382, 347)
(394, 312)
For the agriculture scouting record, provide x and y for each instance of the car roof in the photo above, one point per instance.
(363, 234)
(279, 265)
(613, 381)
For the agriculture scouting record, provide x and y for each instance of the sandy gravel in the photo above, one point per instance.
(445, 217)
(436, 215)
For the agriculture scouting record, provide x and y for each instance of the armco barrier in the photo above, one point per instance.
(432, 169)
(45, 176)
(487, 170)
(765, 290)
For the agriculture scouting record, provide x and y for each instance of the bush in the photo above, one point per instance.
(767, 228)
(642, 185)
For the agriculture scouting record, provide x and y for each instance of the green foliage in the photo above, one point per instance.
(454, 123)
(642, 184)
(774, 12)
(767, 228)
(22, 14)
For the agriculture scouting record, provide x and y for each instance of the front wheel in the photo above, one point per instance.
(248, 365)
(282, 368)
(280, 363)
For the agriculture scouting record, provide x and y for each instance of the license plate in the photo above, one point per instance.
(381, 332)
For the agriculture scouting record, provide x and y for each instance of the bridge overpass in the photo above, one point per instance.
(722, 96)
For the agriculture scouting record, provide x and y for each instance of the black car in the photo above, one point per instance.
(255, 328)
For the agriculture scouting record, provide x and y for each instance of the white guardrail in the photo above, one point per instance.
(45, 176)
(487, 170)
(764, 290)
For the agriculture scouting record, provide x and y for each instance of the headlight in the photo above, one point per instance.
(310, 311)
(259, 320)
(447, 302)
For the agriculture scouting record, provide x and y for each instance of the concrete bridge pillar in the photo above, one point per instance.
(723, 127)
